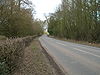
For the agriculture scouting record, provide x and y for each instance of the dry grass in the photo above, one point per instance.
(11, 53)
(35, 62)
(16, 59)
(2, 37)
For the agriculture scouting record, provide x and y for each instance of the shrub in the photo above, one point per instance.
(2, 37)
(11, 53)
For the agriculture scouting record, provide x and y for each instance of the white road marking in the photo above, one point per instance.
(61, 43)
(83, 47)
(81, 50)
(86, 52)
(89, 49)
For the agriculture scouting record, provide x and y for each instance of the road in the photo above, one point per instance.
(76, 59)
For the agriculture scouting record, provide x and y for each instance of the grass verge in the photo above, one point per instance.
(35, 62)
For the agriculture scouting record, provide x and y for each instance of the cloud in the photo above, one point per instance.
(45, 6)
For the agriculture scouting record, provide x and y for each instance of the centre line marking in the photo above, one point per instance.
(86, 52)
(61, 43)
(81, 50)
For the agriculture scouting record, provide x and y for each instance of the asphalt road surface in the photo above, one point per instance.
(76, 59)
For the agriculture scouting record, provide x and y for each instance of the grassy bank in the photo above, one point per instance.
(35, 62)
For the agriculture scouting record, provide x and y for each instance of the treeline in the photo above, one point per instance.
(16, 18)
(76, 19)
(17, 23)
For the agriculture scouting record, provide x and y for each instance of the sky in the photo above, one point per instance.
(45, 7)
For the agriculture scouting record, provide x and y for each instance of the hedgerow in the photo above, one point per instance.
(11, 53)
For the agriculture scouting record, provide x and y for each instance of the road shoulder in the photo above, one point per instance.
(36, 62)
(58, 68)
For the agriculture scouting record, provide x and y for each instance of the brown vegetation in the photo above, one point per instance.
(36, 62)
(11, 52)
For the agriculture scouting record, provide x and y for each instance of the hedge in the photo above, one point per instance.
(11, 53)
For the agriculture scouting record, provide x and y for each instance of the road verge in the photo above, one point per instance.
(59, 69)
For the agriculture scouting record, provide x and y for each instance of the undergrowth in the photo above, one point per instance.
(11, 53)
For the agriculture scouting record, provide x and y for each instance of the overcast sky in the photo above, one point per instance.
(44, 7)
